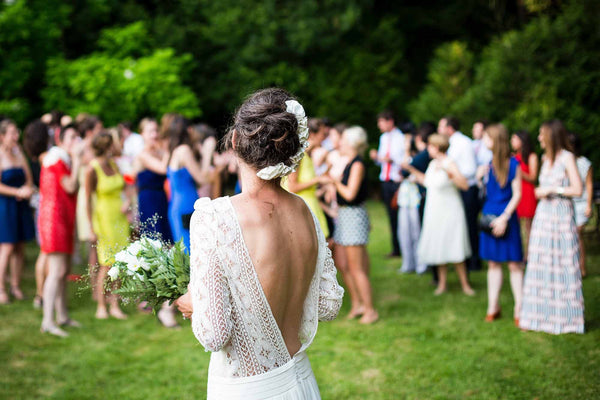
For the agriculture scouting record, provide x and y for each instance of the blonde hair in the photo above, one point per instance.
(441, 142)
(500, 150)
(356, 137)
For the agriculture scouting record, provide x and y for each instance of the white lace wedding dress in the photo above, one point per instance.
(233, 319)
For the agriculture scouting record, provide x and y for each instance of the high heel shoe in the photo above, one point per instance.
(370, 318)
(355, 313)
(493, 317)
(517, 322)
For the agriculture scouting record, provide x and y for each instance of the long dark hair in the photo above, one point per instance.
(556, 138)
(177, 132)
(526, 145)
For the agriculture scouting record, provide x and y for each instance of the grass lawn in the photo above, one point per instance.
(424, 347)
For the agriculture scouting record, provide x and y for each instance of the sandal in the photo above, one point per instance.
(71, 323)
(17, 293)
(38, 302)
(54, 330)
(368, 319)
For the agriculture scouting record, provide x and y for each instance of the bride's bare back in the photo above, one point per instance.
(281, 239)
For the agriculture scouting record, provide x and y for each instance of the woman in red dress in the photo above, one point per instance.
(529, 162)
(58, 197)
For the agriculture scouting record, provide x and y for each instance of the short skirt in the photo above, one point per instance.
(352, 226)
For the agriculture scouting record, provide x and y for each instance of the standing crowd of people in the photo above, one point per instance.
(449, 199)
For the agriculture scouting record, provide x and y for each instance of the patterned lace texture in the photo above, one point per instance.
(232, 317)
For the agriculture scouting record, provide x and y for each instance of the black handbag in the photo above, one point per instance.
(485, 225)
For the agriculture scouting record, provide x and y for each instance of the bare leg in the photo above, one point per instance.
(582, 252)
(356, 259)
(17, 262)
(40, 273)
(461, 270)
(93, 269)
(494, 284)
(442, 278)
(101, 310)
(527, 223)
(516, 285)
(6, 250)
(52, 290)
(339, 257)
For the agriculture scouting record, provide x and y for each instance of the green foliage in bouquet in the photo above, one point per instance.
(150, 271)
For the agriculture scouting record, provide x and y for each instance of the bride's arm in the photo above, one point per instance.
(330, 292)
(211, 318)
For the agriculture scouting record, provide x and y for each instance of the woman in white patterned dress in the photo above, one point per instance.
(261, 273)
(552, 295)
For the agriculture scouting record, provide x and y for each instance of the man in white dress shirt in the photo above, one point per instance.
(389, 156)
(462, 153)
(483, 155)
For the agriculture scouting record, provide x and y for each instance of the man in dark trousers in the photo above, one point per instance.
(462, 153)
(389, 156)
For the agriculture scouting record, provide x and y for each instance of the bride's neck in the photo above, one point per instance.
(253, 186)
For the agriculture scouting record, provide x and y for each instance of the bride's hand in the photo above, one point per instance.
(184, 304)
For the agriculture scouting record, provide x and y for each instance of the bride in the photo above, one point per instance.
(261, 273)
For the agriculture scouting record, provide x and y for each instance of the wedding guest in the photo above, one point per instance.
(318, 154)
(89, 126)
(58, 198)
(241, 247)
(16, 187)
(390, 155)
(444, 237)
(503, 243)
(304, 180)
(583, 203)
(133, 142)
(529, 162)
(461, 152)
(483, 155)
(352, 227)
(107, 216)
(204, 138)
(411, 201)
(150, 167)
(35, 141)
(184, 172)
(552, 293)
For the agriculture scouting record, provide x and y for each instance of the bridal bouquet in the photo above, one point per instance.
(149, 271)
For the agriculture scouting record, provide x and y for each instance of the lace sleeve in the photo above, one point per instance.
(211, 318)
(330, 292)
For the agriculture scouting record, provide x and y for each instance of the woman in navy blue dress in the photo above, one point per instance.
(16, 218)
(152, 199)
(503, 243)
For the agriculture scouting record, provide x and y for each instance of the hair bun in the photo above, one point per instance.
(266, 134)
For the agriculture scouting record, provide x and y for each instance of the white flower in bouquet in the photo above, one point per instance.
(113, 273)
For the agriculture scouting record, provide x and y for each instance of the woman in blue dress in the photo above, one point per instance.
(185, 173)
(503, 243)
(151, 163)
(16, 219)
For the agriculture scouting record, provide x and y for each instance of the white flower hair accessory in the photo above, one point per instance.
(281, 169)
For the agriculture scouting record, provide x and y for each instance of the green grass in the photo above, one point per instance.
(424, 347)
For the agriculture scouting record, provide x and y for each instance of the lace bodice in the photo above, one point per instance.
(231, 313)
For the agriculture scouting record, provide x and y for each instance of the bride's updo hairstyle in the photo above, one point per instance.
(266, 134)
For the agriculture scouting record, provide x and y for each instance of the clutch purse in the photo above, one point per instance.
(485, 224)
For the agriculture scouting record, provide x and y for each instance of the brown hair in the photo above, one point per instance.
(144, 122)
(266, 134)
(88, 124)
(314, 124)
(101, 143)
(440, 141)
(555, 135)
(500, 150)
(36, 138)
(4, 124)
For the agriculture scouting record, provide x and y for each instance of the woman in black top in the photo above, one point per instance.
(352, 227)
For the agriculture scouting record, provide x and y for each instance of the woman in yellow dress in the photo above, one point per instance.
(108, 217)
(304, 180)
